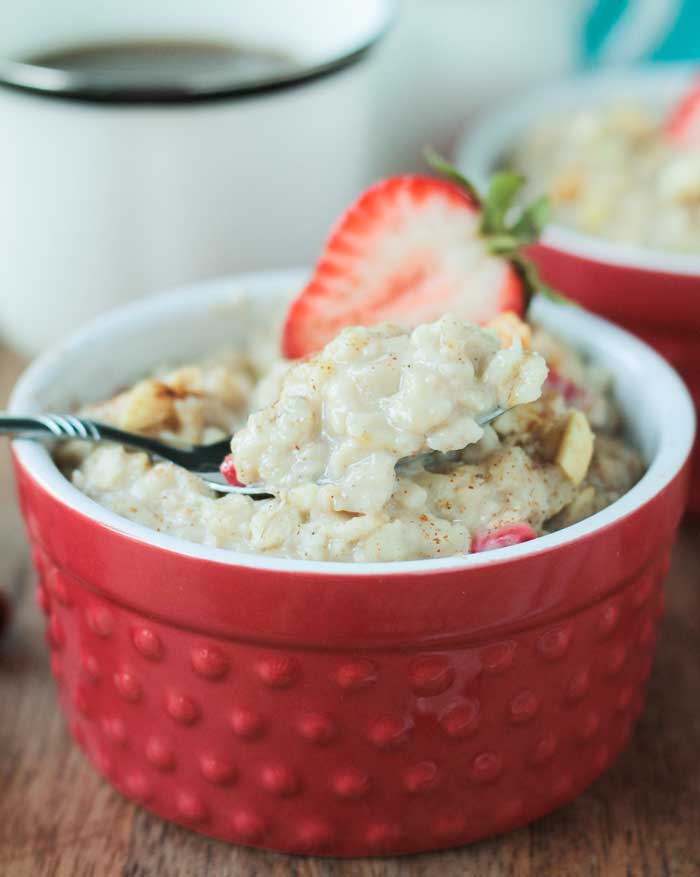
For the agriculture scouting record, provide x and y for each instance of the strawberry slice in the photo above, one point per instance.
(683, 123)
(228, 470)
(509, 534)
(410, 249)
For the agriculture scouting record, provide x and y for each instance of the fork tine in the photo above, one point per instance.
(49, 422)
(255, 491)
(78, 426)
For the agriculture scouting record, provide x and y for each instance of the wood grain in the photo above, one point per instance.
(57, 817)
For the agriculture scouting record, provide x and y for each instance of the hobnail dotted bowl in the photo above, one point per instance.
(653, 293)
(336, 708)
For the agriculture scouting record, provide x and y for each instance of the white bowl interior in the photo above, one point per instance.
(482, 148)
(177, 326)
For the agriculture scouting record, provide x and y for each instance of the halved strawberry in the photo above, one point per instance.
(683, 123)
(410, 249)
(509, 534)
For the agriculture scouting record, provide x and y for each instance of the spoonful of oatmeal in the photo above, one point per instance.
(381, 397)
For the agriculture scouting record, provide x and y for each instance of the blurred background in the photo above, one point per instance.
(119, 179)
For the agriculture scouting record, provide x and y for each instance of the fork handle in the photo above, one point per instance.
(50, 426)
(68, 427)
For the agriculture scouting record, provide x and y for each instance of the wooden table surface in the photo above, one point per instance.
(57, 817)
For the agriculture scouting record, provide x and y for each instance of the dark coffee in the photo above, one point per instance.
(170, 62)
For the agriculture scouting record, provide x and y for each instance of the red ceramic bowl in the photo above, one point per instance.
(654, 294)
(336, 708)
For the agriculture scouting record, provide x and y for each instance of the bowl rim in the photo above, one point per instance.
(478, 146)
(674, 411)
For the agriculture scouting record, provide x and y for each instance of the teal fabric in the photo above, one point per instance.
(680, 40)
(598, 26)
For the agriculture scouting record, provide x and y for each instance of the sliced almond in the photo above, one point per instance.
(575, 448)
(145, 406)
(508, 326)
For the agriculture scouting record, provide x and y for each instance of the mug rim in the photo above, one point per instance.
(48, 82)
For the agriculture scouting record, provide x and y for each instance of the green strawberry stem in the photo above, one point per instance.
(504, 234)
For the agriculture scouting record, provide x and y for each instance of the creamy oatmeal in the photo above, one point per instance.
(345, 417)
(615, 172)
(372, 397)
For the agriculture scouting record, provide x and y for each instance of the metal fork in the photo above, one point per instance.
(202, 460)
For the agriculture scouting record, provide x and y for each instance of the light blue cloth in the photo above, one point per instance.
(640, 30)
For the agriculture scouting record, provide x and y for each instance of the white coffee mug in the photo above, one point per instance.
(104, 201)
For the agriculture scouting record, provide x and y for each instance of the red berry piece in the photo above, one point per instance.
(502, 537)
(228, 470)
